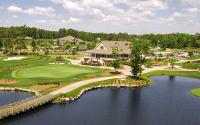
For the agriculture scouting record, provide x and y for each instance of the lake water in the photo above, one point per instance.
(9, 97)
(166, 102)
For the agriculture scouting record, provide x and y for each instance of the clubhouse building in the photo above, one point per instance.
(102, 53)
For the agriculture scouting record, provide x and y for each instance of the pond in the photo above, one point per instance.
(166, 102)
(9, 97)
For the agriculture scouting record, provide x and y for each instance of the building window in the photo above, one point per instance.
(102, 47)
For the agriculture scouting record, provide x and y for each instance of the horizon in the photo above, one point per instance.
(101, 32)
(107, 16)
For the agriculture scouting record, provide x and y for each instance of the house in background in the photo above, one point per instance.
(102, 53)
(71, 39)
(28, 38)
(74, 41)
(182, 55)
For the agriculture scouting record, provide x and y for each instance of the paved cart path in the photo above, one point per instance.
(76, 85)
(125, 71)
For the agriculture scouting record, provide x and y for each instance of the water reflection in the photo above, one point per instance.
(133, 105)
(172, 78)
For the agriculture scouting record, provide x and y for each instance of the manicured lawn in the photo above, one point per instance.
(50, 71)
(196, 92)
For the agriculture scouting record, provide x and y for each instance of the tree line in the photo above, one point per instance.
(175, 40)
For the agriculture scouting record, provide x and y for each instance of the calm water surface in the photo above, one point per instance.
(9, 97)
(166, 102)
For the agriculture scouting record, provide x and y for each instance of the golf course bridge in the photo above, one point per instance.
(25, 105)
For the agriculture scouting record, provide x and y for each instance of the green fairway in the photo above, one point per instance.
(50, 71)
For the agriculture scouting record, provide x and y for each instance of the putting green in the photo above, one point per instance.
(50, 71)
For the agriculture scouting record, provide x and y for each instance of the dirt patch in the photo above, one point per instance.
(44, 88)
(7, 82)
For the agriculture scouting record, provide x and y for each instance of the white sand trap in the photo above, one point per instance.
(15, 58)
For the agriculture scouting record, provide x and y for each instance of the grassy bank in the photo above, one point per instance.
(193, 74)
(75, 92)
(196, 92)
(128, 82)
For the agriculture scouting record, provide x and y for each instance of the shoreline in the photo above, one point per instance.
(85, 90)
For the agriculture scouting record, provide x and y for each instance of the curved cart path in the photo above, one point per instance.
(76, 85)
(73, 86)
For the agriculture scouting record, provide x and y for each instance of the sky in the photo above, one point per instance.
(131, 16)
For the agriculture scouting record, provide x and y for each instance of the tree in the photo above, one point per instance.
(91, 45)
(46, 46)
(74, 51)
(34, 45)
(137, 58)
(8, 45)
(190, 53)
(67, 45)
(1, 44)
(116, 61)
(175, 40)
(172, 62)
(19, 44)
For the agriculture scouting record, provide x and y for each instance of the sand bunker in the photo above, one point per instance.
(15, 58)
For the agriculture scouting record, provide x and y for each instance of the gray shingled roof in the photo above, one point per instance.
(123, 47)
